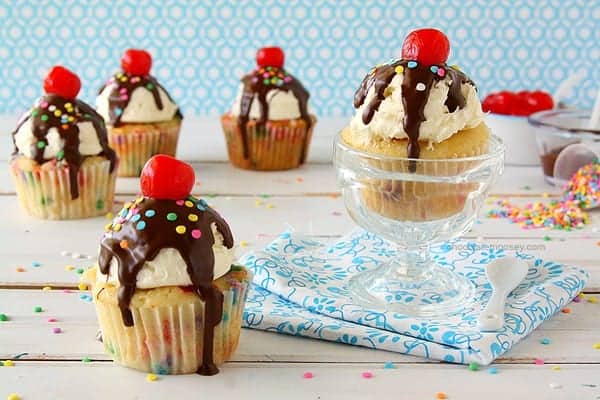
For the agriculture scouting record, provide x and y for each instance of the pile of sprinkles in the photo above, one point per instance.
(581, 192)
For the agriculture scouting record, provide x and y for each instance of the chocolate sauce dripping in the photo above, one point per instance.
(414, 100)
(255, 84)
(159, 233)
(118, 102)
(43, 120)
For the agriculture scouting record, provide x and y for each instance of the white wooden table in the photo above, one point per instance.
(267, 366)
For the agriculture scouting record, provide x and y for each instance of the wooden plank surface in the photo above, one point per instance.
(572, 335)
(259, 206)
(256, 221)
(248, 381)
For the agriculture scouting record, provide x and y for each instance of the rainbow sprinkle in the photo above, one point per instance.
(584, 186)
(580, 193)
(563, 215)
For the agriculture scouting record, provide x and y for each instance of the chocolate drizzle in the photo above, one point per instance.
(259, 83)
(63, 115)
(122, 85)
(148, 226)
(416, 86)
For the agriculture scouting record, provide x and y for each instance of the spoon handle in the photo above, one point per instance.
(492, 317)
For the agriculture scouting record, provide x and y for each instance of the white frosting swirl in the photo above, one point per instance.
(169, 269)
(141, 108)
(282, 105)
(25, 140)
(439, 124)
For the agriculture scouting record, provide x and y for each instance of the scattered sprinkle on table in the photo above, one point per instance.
(52, 320)
(20, 269)
(47, 288)
(367, 374)
(269, 205)
(65, 253)
(151, 377)
(441, 395)
(555, 386)
(473, 366)
(13, 396)
(493, 370)
(86, 360)
(56, 330)
(389, 365)
(80, 271)
(308, 375)
(577, 299)
(109, 215)
(547, 238)
(82, 286)
(566, 310)
(563, 215)
(69, 268)
(555, 368)
(526, 187)
(596, 346)
(336, 213)
(3, 317)
(38, 309)
(299, 179)
(592, 299)
(545, 341)
(36, 264)
(538, 361)
(243, 243)
(8, 363)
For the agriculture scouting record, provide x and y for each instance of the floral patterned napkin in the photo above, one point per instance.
(299, 289)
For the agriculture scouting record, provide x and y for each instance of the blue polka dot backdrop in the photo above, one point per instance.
(202, 48)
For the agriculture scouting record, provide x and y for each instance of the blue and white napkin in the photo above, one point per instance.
(300, 289)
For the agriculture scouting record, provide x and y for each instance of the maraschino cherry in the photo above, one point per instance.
(136, 62)
(166, 178)
(427, 46)
(523, 103)
(62, 82)
(270, 57)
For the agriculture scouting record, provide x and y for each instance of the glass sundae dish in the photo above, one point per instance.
(414, 166)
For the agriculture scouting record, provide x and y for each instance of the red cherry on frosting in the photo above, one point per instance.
(136, 62)
(165, 177)
(427, 46)
(62, 82)
(270, 57)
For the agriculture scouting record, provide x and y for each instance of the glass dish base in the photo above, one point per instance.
(421, 290)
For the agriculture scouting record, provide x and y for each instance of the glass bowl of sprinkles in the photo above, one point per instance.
(414, 203)
(555, 131)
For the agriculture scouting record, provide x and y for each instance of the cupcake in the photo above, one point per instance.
(142, 118)
(269, 127)
(62, 165)
(168, 298)
(418, 108)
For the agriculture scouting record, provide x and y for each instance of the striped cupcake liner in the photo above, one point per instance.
(45, 191)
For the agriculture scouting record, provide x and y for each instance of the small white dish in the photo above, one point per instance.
(518, 137)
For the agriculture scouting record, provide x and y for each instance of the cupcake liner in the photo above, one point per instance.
(45, 191)
(137, 143)
(420, 201)
(274, 145)
(168, 338)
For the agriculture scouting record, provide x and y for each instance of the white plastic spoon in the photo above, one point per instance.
(504, 274)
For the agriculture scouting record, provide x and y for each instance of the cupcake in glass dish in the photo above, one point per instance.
(269, 126)
(141, 117)
(168, 298)
(62, 165)
(413, 109)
